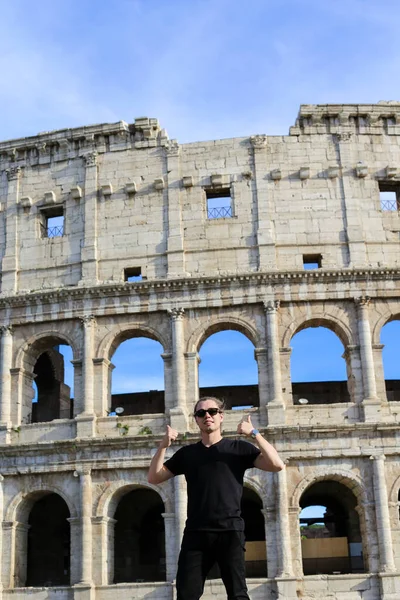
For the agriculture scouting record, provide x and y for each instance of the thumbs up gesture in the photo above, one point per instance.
(169, 437)
(245, 426)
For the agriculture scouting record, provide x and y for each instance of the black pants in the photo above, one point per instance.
(200, 551)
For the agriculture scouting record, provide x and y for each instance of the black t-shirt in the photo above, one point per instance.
(214, 478)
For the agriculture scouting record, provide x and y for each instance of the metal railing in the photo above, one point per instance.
(391, 205)
(221, 212)
(57, 231)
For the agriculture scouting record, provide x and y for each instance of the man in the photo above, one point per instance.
(214, 469)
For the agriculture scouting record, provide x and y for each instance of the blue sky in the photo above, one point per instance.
(207, 69)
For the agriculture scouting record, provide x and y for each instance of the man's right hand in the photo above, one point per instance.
(169, 437)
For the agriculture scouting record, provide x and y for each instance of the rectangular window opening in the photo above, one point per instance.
(133, 274)
(389, 196)
(219, 204)
(312, 261)
(53, 222)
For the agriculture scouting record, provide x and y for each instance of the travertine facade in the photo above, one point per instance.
(133, 202)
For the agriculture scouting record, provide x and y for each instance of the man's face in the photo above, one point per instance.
(209, 423)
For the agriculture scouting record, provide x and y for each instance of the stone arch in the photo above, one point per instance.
(30, 542)
(385, 318)
(36, 344)
(108, 500)
(203, 332)
(345, 519)
(120, 545)
(256, 487)
(38, 359)
(347, 478)
(108, 345)
(19, 507)
(330, 321)
(394, 491)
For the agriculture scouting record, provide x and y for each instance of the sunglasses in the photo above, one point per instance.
(203, 411)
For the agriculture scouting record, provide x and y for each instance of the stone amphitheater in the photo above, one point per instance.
(265, 235)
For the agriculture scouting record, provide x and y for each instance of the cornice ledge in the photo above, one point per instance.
(56, 135)
(124, 289)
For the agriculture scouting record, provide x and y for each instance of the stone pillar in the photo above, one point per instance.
(170, 552)
(352, 212)
(9, 266)
(294, 526)
(180, 494)
(5, 376)
(265, 233)
(283, 530)
(178, 413)
(192, 370)
(386, 560)
(275, 405)
(269, 514)
(285, 580)
(86, 417)
(89, 249)
(175, 249)
(102, 372)
(103, 555)
(85, 495)
(261, 356)
(371, 404)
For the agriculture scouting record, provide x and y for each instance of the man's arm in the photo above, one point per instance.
(269, 459)
(158, 473)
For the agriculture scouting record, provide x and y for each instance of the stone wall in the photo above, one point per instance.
(136, 202)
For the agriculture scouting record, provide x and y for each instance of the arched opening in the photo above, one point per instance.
(318, 368)
(48, 553)
(390, 335)
(228, 370)
(137, 383)
(254, 529)
(330, 530)
(139, 540)
(50, 395)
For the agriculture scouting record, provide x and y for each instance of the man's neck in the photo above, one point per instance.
(209, 439)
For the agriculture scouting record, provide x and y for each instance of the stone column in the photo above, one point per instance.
(294, 526)
(265, 228)
(9, 266)
(85, 494)
(275, 406)
(283, 530)
(269, 514)
(261, 356)
(102, 372)
(170, 552)
(103, 555)
(86, 416)
(5, 376)
(180, 494)
(386, 560)
(175, 249)
(89, 249)
(169, 394)
(178, 413)
(370, 403)
(352, 209)
(192, 369)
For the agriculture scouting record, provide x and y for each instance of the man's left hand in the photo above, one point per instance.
(245, 426)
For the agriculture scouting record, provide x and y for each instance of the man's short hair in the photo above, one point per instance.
(218, 402)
